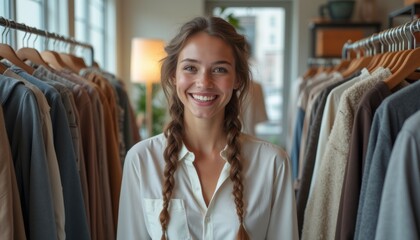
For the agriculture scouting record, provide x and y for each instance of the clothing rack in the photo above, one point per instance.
(323, 61)
(392, 39)
(49, 35)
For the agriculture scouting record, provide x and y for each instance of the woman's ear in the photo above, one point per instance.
(237, 84)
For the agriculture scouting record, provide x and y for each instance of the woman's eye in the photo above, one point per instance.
(189, 68)
(220, 70)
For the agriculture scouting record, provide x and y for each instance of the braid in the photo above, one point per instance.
(233, 127)
(173, 133)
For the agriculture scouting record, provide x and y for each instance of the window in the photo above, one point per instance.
(5, 9)
(85, 20)
(93, 18)
(90, 20)
(35, 19)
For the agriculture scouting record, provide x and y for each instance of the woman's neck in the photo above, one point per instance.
(205, 136)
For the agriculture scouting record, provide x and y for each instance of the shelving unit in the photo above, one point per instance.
(329, 37)
(409, 11)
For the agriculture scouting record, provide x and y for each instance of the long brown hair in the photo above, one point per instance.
(174, 130)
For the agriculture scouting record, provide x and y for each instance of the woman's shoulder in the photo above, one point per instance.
(157, 141)
(153, 146)
(252, 145)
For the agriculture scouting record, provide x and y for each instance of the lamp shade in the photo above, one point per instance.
(145, 59)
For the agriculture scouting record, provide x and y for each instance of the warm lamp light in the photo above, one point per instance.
(145, 68)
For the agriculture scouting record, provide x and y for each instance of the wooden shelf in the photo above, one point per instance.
(329, 37)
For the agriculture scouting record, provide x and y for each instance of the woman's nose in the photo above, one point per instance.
(204, 80)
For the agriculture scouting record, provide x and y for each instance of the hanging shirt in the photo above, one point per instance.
(64, 149)
(11, 218)
(346, 221)
(312, 96)
(130, 130)
(76, 220)
(83, 135)
(23, 125)
(107, 96)
(399, 211)
(328, 117)
(270, 211)
(100, 207)
(53, 169)
(321, 211)
(387, 122)
(300, 117)
(310, 153)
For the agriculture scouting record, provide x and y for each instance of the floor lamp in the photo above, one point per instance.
(145, 68)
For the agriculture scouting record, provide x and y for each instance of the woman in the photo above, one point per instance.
(202, 178)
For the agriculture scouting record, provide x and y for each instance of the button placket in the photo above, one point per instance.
(207, 227)
(195, 181)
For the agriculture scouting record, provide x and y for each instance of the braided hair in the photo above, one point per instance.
(217, 27)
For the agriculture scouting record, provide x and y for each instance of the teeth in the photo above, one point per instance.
(203, 98)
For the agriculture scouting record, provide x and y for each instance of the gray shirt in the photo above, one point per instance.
(399, 209)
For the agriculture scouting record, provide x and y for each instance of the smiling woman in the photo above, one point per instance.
(203, 178)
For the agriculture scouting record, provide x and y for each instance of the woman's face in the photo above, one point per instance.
(205, 76)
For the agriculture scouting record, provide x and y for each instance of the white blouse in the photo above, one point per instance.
(270, 210)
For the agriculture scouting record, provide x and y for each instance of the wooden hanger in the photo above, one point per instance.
(384, 61)
(9, 54)
(352, 63)
(410, 64)
(310, 72)
(402, 54)
(32, 55)
(398, 60)
(358, 65)
(95, 64)
(343, 65)
(73, 62)
(54, 60)
(329, 69)
(392, 58)
(376, 60)
(320, 70)
(394, 68)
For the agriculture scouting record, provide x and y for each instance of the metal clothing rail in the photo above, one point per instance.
(392, 39)
(23, 27)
